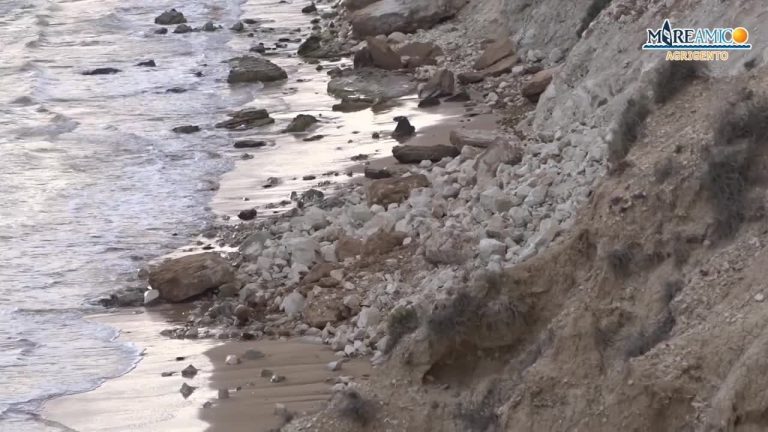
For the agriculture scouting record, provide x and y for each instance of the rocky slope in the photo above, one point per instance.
(598, 267)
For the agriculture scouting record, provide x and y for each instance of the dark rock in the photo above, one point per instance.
(238, 27)
(300, 123)
(470, 77)
(260, 48)
(223, 394)
(407, 16)
(309, 177)
(186, 390)
(189, 372)
(375, 135)
(393, 190)
(247, 69)
(170, 17)
(309, 9)
(532, 89)
(247, 119)
(241, 144)
(441, 84)
(253, 354)
(360, 157)
(423, 50)
(176, 90)
(429, 101)
(102, 71)
(314, 138)
(147, 63)
(161, 31)
(249, 21)
(501, 67)
(404, 129)
(167, 374)
(183, 28)
(209, 27)
(362, 59)
(182, 278)
(383, 55)
(416, 154)
(310, 45)
(249, 214)
(188, 129)
(461, 96)
(376, 174)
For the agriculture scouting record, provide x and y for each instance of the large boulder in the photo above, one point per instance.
(382, 55)
(407, 16)
(495, 52)
(182, 278)
(499, 152)
(300, 123)
(170, 17)
(371, 83)
(441, 84)
(394, 190)
(416, 154)
(247, 118)
(538, 83)
(323, 307)
(354, 5)
(248, 69)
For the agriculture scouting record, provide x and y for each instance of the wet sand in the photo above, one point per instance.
(144, 400)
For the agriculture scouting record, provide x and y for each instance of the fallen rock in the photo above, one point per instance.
(248, 118)
(188, 129)
(241, 144)
(313, 138)
(461, 96)
(161, 31)
(147, 63)
(189, 371)
(374, 84)
(396, 38)
(186, 390)
(441, 84)
(318, 272)
(209, 27)
(348, 247)
(393, 190)
(348, 105)
(309, 46)
(470, 77)
(150, 296)
(182, 278)
(232, 360)
(362, 59)
(495, 52)
(248, 69)
(404, 129)
(300, 123)
(323, 308)
(376, 173)
(238, 27)
(170, 17)
(312, 8)
(249, 214)
(480, 138)
(489, 247)
(416, 154)
(183, 28)
(277, 378)
(335, 366)
(429, 102)
(243, 313)
(102, 71)
(383, 242)
(382, 55)
(357, 4)
(499, 152)
(293, 304)
(532, 89)
(407, 16)
(223, 394)
(501, 67)
(423, 50)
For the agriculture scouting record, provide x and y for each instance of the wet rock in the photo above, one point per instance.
(404, 129)
(277, 378)
(300, 123)
(161, 31)
(241, 144)
(348, 105)
(501, 67)
(312, 196)
(309, 46)
(407, 16)
(312, 8)
(470, 77)
(495, 52)
(209, 27)
(421, 50)
(260, 48)
(170, 17)
(382, 55)
(393, 190)
(187, 129)
(374, 84)
(238, 27)
(383, 242)
(313, 138)
(232, 360)
(396, 38)
(249, 214)
(167, 374)
(243, 313)
(266, 373)
(362, 59)
(532, 89)
(334, 366)
(323, 308)
(223, 394)
(489, 247)
(499, 152)
(102, 71)
(416, 154)
(147, 63)
(183, 28)
(462, 96)
(253, 354)
(176, 90)
(293, 304)
(441, 84)
(248, 118)
(189, 371)
(248, 69)
(186, 390)
(182, 278)
(357, 4)
(376, 173)
(480, 138)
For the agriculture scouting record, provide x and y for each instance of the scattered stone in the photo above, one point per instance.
(186, 390)
(170, 17)
(470, 77)
(310, 46)
(759, 297)
(415, 154)
(182, 278)
(102, 71)
(176, 90)
(183, 28)
(495, 52)
(241, 144)
(248, 69)
(249, 214)
(189, 372)
(147, 63)
(462, 96)
(489, 247)
(266, 373)
(188, 129)
(429, 101)
(393, 190)
(362, 59)
(161, 31)
(300, 123)
(232, 360)
(348, 105)
(499, 152)
(376, 173)
(167, 374)
(293, 304)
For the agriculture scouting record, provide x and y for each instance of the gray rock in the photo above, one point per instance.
(248, 69)
(170, 17)
(382, 55)
(441, 84)
(238, 27)
(416, 154)
(489, 247)
(183, 28)
(181, 278)
(495, 52)
(373, 84)
(500, 152)
(300, 123)
(253, 354)
(186, 390)
(188, 129)
(223, 394)
(481, 138)
(209, 27)
(189, 372)
(248, 118)
(407, 16)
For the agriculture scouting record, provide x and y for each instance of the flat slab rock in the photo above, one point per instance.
(182, 278)
(374, 84)
(406, 16)
(416, 154)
